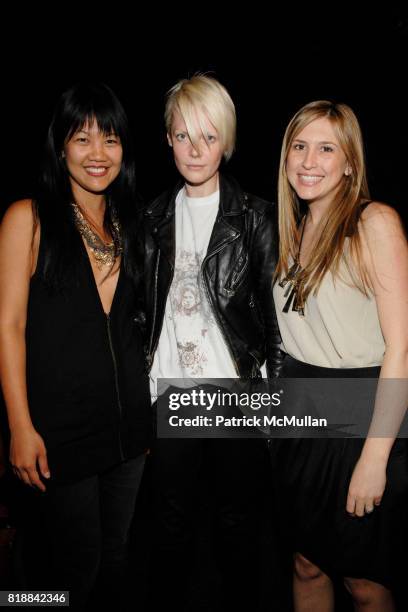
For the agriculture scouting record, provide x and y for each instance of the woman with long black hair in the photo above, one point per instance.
(71, 359)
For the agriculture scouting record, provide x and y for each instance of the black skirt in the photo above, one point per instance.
(312, 478)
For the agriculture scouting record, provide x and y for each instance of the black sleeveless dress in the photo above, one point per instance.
(87, 384)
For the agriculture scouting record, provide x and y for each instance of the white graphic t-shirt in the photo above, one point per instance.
(191, 344)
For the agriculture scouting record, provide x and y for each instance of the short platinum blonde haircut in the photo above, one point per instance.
(200, 96)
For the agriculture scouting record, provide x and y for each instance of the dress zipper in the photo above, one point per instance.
(115, 368)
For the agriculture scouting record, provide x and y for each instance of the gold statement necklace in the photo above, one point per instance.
(104, 253)
(294, 281)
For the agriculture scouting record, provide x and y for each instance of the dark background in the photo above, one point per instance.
(271, 62)
(270, 65)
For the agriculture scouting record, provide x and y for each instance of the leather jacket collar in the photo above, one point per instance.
(232, 200)
(228, 224)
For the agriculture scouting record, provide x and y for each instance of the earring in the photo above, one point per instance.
(62, 154)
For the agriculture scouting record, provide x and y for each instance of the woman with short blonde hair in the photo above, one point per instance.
(207, 233)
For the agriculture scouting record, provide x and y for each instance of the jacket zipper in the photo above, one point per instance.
(227, 343)
(237, 276)
(115, 369)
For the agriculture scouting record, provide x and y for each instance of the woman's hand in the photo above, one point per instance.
(27, 451)
(367, 485)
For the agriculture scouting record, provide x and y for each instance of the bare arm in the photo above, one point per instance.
(386, 257)
(18, 252)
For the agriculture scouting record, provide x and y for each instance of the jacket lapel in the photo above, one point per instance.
(228, 224)
(161, 220)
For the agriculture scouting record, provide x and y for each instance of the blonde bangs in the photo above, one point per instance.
(199, 97)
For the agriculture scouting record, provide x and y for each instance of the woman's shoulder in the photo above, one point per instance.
(20, 228)
(20, 235)
(21, 212)
(379, 220)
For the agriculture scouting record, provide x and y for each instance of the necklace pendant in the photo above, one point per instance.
(291, 291)
(290, 275)
(289, 300)
(288, 289)
(298, 306)
(296, 282)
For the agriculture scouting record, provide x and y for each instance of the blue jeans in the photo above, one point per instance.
(84, 530)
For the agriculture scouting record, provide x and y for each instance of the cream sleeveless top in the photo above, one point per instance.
(340, 327)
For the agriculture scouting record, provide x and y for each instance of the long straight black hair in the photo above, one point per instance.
(81, 104)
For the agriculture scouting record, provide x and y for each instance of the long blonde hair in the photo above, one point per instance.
(340, 221)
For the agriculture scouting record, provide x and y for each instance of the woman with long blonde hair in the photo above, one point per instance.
(341, 295)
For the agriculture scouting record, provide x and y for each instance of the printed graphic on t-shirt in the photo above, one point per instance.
(191, 344)
(191, 312)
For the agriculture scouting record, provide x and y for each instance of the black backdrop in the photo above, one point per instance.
(271, 66)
